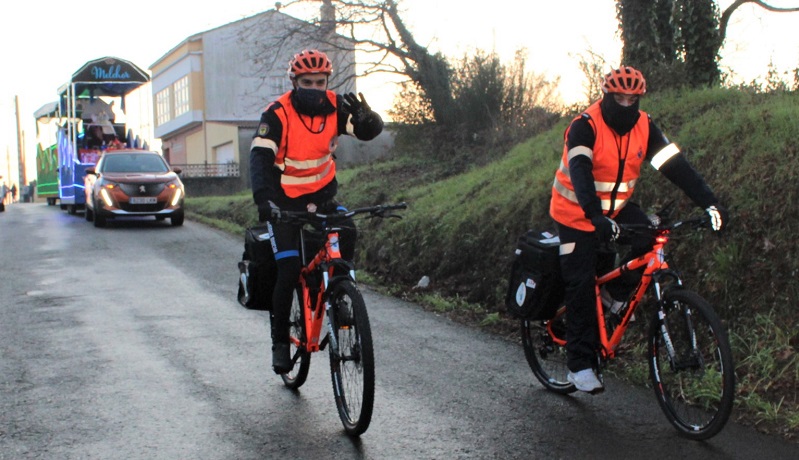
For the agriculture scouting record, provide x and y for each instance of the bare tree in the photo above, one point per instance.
(377, 31)
(594, 66)
(725, 16)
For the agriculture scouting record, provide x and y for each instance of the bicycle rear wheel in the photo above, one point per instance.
(352, 364)
(546, 358)
(691, 365)
(299, 373)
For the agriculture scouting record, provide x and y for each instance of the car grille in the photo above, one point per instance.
(142, 207)
(135, 189)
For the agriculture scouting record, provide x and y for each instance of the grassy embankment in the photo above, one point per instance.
(460, 231)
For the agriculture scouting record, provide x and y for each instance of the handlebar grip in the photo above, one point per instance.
(310, 217)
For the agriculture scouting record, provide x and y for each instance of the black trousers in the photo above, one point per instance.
(581, 257)
(286, 246)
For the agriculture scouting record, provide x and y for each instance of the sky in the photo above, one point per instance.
(43, 46)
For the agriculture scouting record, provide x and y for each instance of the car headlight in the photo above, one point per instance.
(177, 192)
(106, 196)
(106, 186)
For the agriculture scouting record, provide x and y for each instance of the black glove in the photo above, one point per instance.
(268, 211)
(606, 229)
(718, 217)
(357, 108)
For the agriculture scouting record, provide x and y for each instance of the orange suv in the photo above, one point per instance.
(133, 183)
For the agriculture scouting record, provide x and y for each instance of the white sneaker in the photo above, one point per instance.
(585, 380)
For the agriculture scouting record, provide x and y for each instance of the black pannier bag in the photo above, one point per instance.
(535, 287)
(257, 270)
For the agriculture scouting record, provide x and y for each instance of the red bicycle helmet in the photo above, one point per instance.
(624, 80)
(310, 61)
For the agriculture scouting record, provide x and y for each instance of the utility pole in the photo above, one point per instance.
(23, 180)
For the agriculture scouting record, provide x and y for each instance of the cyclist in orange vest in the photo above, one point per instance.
(292, 167)
(604, 149)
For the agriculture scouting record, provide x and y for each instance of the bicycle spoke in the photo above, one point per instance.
(546, 358)
(301, 359)
(351, 372)
(352, 361)
(691, 366)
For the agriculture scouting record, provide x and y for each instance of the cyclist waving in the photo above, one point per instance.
(604, 149)
(292, 167)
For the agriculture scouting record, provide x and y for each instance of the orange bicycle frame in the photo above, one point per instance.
(312, 301)
(653, 261)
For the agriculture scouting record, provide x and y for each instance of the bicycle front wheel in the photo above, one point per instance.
(545, 357)
(352, 363)
(301, 357)
(691, 365)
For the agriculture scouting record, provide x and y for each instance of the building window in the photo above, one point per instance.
(181, 91)
(163, 106)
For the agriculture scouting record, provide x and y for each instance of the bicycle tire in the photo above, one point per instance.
(546, 358)
(352, 364)
(299, 373)
(695, 386)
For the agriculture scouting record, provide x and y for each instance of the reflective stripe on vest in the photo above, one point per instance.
(571, 196)
(601, 186)
(307, 164)
(305, 180)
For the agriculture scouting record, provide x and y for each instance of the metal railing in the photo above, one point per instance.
(209, 170)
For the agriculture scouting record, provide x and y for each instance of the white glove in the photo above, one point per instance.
(716, 219)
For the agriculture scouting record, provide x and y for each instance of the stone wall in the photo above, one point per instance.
(213, 186)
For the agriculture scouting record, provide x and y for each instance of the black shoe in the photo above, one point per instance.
(281, 358)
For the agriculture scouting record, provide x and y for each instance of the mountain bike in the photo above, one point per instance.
(328, 311)
(689, 354)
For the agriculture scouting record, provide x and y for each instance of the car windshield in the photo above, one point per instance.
(134, 162)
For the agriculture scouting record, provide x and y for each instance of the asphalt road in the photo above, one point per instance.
(127, 343)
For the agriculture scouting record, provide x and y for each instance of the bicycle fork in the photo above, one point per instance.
(331, 312)
(694, 358)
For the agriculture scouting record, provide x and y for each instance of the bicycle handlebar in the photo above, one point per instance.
(306, 217)
(659, 227)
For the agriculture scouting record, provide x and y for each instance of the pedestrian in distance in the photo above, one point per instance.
(292, 168)
(604, 150)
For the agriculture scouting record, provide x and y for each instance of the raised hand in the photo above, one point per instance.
(358, 108)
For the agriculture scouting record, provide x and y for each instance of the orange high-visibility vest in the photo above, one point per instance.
(306, 148)
(613, 187)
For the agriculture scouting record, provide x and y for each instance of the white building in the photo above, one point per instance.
(209, 91)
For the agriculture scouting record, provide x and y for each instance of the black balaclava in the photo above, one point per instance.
(620, 118)
(311, 102)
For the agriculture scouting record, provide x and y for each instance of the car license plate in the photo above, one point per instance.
(143, 200)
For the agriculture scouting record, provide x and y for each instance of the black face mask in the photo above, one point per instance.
(621, 119)
(312, 102)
